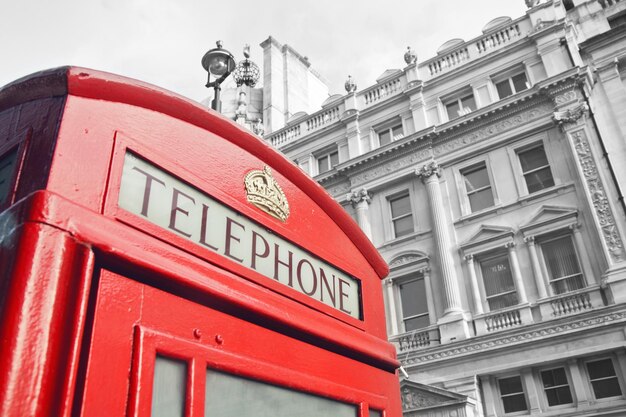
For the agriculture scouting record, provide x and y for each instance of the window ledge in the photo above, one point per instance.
(403, 239)
(555, 189)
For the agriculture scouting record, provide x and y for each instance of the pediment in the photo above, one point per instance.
(496, 23)
(486, 237)
(407, 258)
(550, 218)
(451, 44)
(387, 75)
(417, 396)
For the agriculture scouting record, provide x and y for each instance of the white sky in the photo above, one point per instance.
(162, 41)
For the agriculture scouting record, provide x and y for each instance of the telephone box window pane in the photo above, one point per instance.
(168, 390)
(7, 168)
(232, 396)
(375, 413)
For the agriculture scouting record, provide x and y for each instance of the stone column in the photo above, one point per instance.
(478, 302)
(360, 201)
(430, 174)
(391, 304)
(537, 271)
(517, 273)
(430, 300)
(582, 258)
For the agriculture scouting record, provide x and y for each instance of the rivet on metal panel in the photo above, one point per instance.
(219, 339)
(197, 333)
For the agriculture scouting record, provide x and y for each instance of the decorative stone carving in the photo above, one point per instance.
(403, 260)
(493, 129)
(258, 128)
(390, 167)
(410, 57)
(428, 170)
(531, 3)
(570, 115)
(412, 399)
(356, 197)
(598, 196)
(498, 342)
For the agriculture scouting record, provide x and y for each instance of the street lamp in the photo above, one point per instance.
(221, 64)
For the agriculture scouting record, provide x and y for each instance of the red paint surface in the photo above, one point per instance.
(72, 332)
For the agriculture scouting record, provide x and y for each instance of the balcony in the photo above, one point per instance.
(417, 339)
(570, 303)
(500, 320)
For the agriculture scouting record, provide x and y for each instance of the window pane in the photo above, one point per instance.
(603, 379)
(416, 323)
(510, 385)
(322, 164)
(453, 110)
(233, 396)
(533, 158)
(562, 264)
(334, 159)
(7, 166)
(601, 369)
(168, 390)
(397, 132)
(375, 413)
(384, 137)
(520, 82)
(556, 387)
(512, 394)
(606, 388)
(414, 304)
(497, 275)
(559, 396)
(400, 206)
(476, 178)
(553, 377)
(403, 226)
(504, 89)
(514, 403)
(468, 102)
(538, 180)
(481, 200)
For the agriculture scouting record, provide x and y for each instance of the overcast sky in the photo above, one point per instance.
(162, 41)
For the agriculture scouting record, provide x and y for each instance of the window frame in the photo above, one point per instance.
(500, 396)
(508, 75)
(569, 385)
(388, 127)
(327, 153)
(395, 196)
(487, 256)
(464, 201)
(457, 98)
(616, 370)
(417, 275)
(551, 237)
(520, 180)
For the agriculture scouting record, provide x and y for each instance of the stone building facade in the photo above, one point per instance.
(491, 177)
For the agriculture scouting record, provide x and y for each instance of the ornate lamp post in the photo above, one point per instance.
(220, 63)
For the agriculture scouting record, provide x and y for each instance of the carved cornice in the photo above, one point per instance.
(469, 347)
(570, 116)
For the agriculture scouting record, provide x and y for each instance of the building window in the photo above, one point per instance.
(498, 281)
(401, 215)
(512, 85)
(327, 161)
(390, 134)
(512, 394)
(561, 262)
(478, 187)
(414, 304)
(460, 106)
(603, 379)
(535, 169)
(556, 387)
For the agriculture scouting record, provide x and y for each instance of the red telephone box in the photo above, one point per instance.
(158, 260)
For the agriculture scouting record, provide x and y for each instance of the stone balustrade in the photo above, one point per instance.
(382, 91)
(501, 321)
(496, 321)
(475, 49)
(608, 3)
(570, 303)
(305, 126)
(417, 339)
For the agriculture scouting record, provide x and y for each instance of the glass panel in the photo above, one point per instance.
(232, 396)
(7, 166)
(606, 388)
(453, 110)
(476, 178)
(375, 413)
(481, 200)
(168, 390)
(414, 304)
(498, 281)
(556, 387)
(384, 138)
(601, 369)
(538, 180)
(533, 159)
(468, 103)
(334, 159)
(403, 226)
(504, 89)
(400, 206)
(562, 265)
(603, 379)
(322, 164)
(512, 394)
(510, 385)
(520, 82)
(416, 323)
(397, 132)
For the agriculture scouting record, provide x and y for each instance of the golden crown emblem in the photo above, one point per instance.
(264, 192)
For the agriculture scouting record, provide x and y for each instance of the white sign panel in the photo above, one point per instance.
(164, 200)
